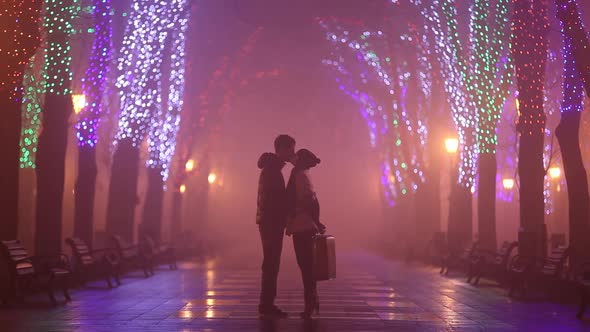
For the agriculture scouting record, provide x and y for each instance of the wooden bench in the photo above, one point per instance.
(27, 272)
(491, 264)
(458, 260)
(132, 256)
(160, 253)
(526, 272)
(583, 285)
(102, 263)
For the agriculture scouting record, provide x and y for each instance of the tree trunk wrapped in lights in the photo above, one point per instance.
(476, 76)
(574, 29)
(529, 51)
(53, 139)
(166, 120)
(140, 64)
(388, 77)
(93, 87)
(568, 132)
(19, 30)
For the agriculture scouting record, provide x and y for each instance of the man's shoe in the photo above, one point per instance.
(272, 312)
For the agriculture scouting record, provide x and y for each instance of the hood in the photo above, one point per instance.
(270, 160)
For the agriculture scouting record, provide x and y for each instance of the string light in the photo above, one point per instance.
(530, 22)
(154, 37)
(21, 35)
(441, 22)
(396, 122)
(57, 24)
(573, 87)
(492, 68)
(139, 62)
(33, 99)
(165, 124)
(575, 38)
(94, 82)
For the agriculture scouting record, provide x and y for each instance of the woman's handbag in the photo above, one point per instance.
(324, 257)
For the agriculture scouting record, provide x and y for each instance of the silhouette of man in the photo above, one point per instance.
(271, 219)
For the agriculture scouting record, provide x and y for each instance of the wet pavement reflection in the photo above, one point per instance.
(370, 294)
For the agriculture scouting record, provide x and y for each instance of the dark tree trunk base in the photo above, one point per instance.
(176, 225)
(532, 201)
(460, 231)
(427, 211)
(10, 127)
(51, 156)
(568, 135)
(123, 191)
(152, 213)
(486, 201)
(84, 194)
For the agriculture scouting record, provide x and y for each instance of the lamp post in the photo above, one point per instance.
(178, 196)
(190, 166)
(555, 173)
(508, 183)
(212, 178)
(453, 227)
(452, 145)
(79, 102)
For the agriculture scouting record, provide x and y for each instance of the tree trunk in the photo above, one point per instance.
(532, 204)
(529, 50)
(152, 213)
(459, 228)
(462, 206)
(424, 223)
(51, 156)
(123, 191)
(176, 225)
(568, 135)
(10, 130)
(84, 195)
(20, 38)
(486, 201)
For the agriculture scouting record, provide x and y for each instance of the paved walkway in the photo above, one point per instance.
(371, 294)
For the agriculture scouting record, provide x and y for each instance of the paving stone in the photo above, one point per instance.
(221, 294)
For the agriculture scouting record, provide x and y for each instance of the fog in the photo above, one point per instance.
(301, 99)
(306, 105)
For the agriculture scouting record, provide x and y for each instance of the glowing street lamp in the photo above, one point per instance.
(452, 145)
(190, 166)
(182, 189)
(212, 178)
(554, 173)
(79, 101)
(508, 183)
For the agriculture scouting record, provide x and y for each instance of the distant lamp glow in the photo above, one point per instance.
(452, 145)
(190, 166)
(79, 101)
(555, 173)
(212, 178)
(508, 183)
(182, 189)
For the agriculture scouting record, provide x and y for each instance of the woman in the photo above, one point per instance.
(304, 223)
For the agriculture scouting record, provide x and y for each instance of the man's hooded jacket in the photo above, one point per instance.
(272, 195)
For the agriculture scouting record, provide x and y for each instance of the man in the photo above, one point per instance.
(271, 219)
